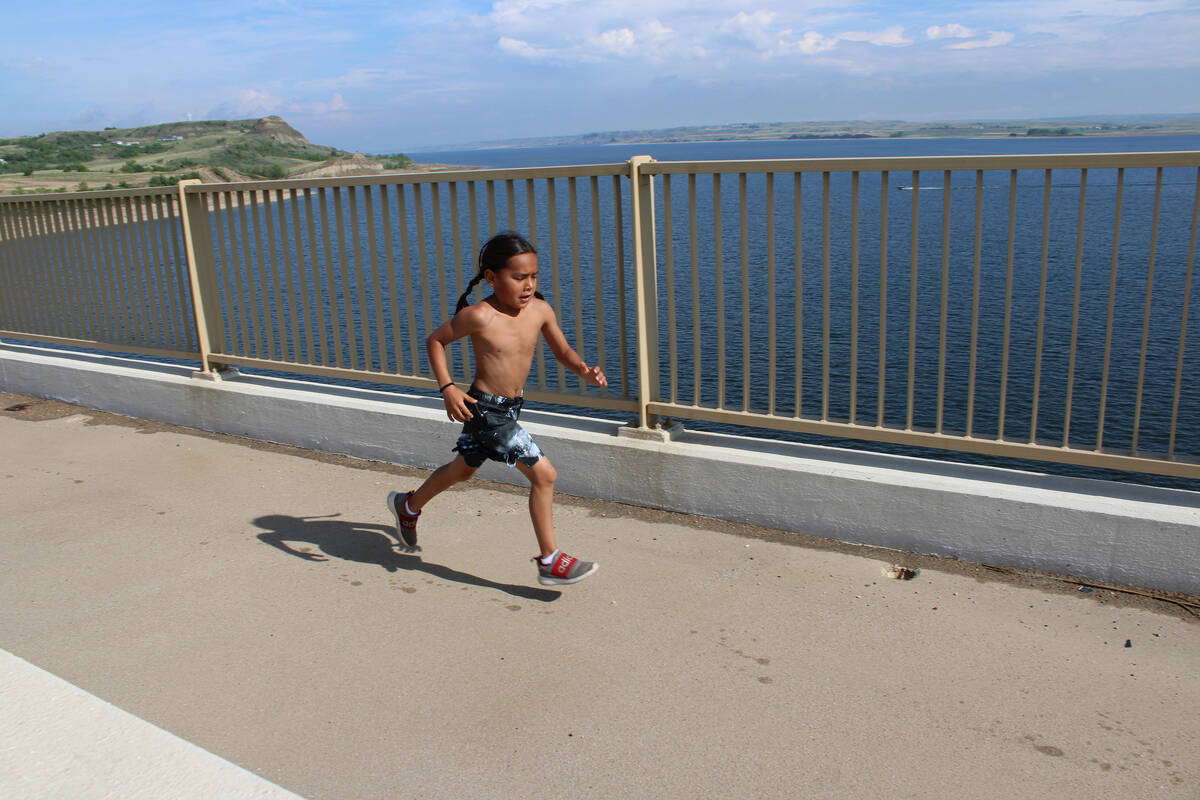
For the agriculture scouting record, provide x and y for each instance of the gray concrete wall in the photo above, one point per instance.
(1093, 530)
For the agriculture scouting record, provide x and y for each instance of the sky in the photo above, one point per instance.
(390, 76)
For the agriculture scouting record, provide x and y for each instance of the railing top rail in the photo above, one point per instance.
(1183, 158)
(156, 191)
(404, 178)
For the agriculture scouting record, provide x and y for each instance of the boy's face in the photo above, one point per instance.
(516, 282)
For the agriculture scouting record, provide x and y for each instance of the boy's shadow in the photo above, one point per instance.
(369, 543)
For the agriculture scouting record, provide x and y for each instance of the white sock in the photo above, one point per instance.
(548, 560)
(408, 509)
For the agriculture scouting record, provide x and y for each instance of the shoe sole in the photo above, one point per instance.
(549, 581)
(391, 504)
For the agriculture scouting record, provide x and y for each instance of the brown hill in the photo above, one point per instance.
(280, 131)
(342, 167)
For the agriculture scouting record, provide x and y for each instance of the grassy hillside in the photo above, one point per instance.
(159, 155)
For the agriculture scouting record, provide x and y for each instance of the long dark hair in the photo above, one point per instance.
(494, 254)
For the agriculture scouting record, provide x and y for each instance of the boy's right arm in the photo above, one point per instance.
(461, 324)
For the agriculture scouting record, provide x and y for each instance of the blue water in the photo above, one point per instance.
(507, 158)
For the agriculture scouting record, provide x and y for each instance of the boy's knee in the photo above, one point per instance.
(545, 473)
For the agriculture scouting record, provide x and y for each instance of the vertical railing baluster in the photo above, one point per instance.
(798, 271)
(422, 260)
(881, 377)
(469, 266)
(410, 295)
(719, 280)
(669, 263)
(577, 281)
(439, 261)
(623, 320)
(554, 265)
(452, 270)
(285, 274)
(1112, 301)
(598, 271)
(914, 250)
(854, 179)
(772, 333)
(389, 270)
(1070, 393)
(491, 207)
(531, 212)
(1041, 315)
(945, 303)
(376, 271)
(1008, 302)
(268, 269)
(337, 358)
(1137, 407)
(156, 272)
(234, 307)
(510, 196)
(744, 258)
(826, 270)
(354, 271)
(317, 329)
(253, 272)
(149, 275)
(975, 302)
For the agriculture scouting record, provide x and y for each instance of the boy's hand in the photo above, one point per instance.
(455, 400)
(593, 375)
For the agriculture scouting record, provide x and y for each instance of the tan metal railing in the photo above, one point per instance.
(796, 260)
(101, 269)
(1022, 306)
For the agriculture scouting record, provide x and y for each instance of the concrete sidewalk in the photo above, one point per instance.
(249, 600)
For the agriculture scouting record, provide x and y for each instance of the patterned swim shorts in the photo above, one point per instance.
(493, 432)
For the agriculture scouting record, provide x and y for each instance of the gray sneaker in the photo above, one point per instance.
(564, 569)
(406, 524)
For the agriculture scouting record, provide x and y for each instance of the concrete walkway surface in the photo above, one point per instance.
(250, 600)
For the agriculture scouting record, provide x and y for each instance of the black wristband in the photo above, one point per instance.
(443, 388)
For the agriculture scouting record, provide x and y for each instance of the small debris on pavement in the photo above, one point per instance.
(900, 573)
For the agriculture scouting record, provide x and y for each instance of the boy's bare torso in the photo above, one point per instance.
(503, 343)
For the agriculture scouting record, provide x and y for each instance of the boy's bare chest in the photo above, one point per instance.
(507, 337)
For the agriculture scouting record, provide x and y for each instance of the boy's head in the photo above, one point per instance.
(497, 250)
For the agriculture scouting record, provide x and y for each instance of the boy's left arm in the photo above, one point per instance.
(566, 354)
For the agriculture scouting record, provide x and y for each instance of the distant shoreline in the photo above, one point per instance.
(1182, 125)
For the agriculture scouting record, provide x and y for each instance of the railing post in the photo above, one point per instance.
(201, 267)
(645, 287)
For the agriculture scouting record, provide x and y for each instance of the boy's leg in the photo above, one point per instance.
(541, 501)
(442, 479)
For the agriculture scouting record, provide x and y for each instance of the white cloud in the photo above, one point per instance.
(619, 41)
(253, 103)
(812, 43)
(951, 31)
(517, 47)
(994, 39)
(889, 37)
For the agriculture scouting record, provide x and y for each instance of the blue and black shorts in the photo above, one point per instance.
(493, 432)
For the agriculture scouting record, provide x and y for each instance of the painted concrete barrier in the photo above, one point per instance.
(1094, 530)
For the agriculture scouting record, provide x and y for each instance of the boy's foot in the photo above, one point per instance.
(406, 523)
(564, 569)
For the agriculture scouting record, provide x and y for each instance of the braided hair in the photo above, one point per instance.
(494, 254)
